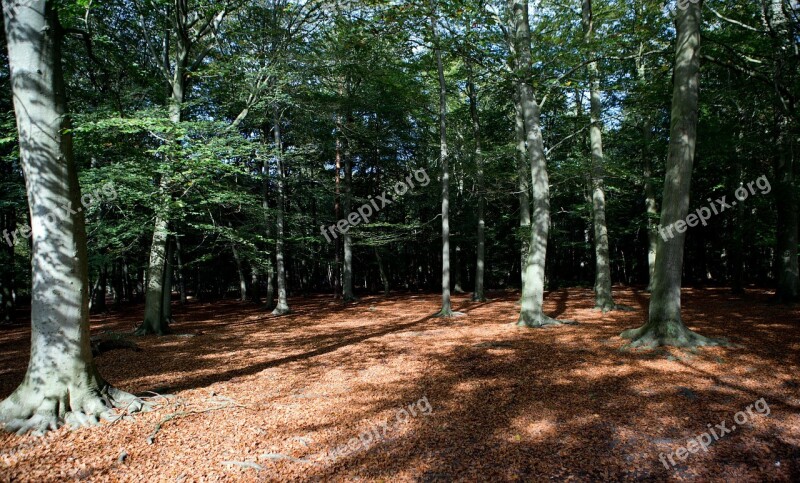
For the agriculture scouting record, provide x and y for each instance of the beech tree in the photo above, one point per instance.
(665, 325)
(62, 384)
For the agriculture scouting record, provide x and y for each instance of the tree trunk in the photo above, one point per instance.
(269, 303)
(181, 273)
(650, 202)
(382, 270)
(154, 296)
(283, 304)
(447, 310)
(337, 208)
(61, 383)
(602, 285)
(523, 180)
(531, 314)
(347, 278)
(8, 223)
(480, 267)
(786, 240)
(524, 185)
(154, 323)
(665, 326)
(98, 304)
(240, 271)
(166, 293)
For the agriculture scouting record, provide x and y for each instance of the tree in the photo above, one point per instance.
(62, 383)
(665, 325)
(447, 309)
(531, 314)
(191, 28)
(283, 304)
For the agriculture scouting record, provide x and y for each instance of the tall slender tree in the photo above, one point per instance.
(665, 325)
(447, 309)
(531, 313)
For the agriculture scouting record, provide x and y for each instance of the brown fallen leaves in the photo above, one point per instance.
(265, 398)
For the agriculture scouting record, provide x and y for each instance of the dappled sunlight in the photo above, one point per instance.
(310, 382)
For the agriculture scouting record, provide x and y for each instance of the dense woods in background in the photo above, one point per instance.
(233, 131)
(159, 150)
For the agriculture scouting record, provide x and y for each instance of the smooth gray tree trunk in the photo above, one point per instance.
(602, 284)
(447, 309)
(282, 308)
(665, 325)
(523, 183)
(62, 383)
(480, 266)
(347, 272)
(531, 314)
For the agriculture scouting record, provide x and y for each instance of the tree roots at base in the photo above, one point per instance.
(612, 307)
(25, 412)
(671, 333)
(542, 321)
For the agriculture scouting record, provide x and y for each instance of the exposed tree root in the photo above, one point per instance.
(146, 329)
(667, 333)
(541, 321)
(225, 403)
(612, 307)
(28, 411)
(448, 313)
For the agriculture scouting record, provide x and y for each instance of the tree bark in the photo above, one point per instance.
(240, 272)
(447, 310)
(664, 325)
(62, 383)
(788, 283)
(531, 314)
(602, 285)
(480, 266)
(283, 304)
(347, 278)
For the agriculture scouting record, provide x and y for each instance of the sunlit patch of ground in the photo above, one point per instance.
(281, 394)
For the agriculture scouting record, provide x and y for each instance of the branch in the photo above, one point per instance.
(164, 69)
(732, 21)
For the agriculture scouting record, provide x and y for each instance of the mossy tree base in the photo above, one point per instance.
(671, 333)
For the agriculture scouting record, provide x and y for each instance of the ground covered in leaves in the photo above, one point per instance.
(380, 390)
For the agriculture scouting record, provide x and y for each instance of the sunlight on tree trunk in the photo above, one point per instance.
(664, 325)
(61, 383)
(531, 314)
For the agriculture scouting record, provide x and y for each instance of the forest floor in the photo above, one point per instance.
(266, 398)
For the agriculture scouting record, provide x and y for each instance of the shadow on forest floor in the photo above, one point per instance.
(507, 403)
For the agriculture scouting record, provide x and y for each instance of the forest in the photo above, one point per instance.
(399, 240)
